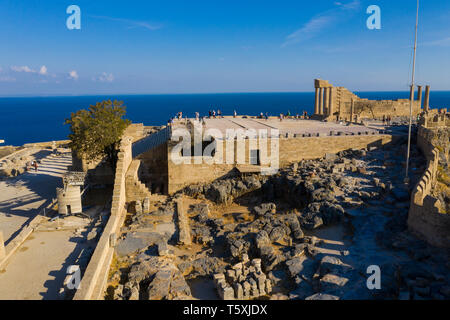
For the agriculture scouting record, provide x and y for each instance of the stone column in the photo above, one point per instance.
(321, 101)
(411, 93)
(326, 98)
(330, 103)
(2, 247)
(426, 104)
(316, 105)
(419, 95)
(352, 106)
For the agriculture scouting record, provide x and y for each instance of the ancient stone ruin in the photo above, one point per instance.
(245, 280)
(69, 197)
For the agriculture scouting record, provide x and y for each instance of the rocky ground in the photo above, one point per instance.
(316, 227)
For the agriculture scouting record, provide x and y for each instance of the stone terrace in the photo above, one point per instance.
(291, 126)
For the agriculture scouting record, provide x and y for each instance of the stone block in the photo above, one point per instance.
(238, 291)
(268, 286)
(112, 241)
(138, 207)
(226, 293)
(247, 287)
(163, 249)
(231, 275)
(146, 205)
(2, 247)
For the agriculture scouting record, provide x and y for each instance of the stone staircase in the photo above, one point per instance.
(55, 165)
(135, 189)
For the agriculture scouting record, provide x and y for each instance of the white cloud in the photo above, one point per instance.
(104, 77)
(132, 23)
(320, 22)
(43, 70)
(73, 75)
(22, 69)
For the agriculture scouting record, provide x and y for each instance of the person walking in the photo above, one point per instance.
(234, 114)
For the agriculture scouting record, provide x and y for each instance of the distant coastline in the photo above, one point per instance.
(36, 119)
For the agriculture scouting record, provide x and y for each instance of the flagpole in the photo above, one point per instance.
(412, 97)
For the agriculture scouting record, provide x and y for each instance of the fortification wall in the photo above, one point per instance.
(426, 218)
(291, 149)
(435, 131)
(94, 280)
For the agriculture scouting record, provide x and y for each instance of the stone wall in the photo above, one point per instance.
(297, 149)
(435, 131)
(291, 149)
(155, 173)
(425, 218)
(94, 280)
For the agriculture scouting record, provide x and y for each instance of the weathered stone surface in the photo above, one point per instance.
(321, 296)
(265, 208)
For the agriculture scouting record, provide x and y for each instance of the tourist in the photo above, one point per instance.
(267, 116)
(234, 114)
(214, 113)
(35, 166)
(209, 112)
(197, 116)
(219, 113)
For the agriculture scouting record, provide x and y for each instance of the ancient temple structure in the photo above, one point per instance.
(338, 103)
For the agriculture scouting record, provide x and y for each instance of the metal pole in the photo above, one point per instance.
(412, 99)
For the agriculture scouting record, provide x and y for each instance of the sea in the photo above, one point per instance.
(40, 119)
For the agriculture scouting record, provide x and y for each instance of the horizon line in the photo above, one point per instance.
(184, 93)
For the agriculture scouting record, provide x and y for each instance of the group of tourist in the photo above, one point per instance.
(297, 116)
(212, 114)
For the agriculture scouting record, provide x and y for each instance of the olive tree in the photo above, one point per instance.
(96, 133)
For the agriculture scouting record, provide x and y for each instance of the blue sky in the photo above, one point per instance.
(218, 46)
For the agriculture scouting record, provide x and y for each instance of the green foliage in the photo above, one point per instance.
(96, 132)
